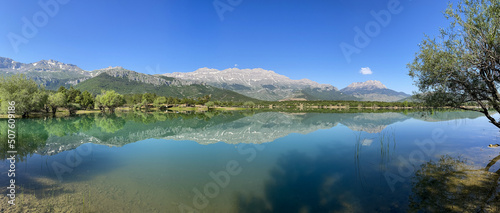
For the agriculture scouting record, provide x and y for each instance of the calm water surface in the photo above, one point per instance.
(255, 162)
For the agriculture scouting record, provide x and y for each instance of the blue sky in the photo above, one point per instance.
(296, 38)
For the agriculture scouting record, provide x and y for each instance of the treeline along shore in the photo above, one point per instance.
(33, 100)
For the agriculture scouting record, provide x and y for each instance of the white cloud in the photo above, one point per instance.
(365, 71)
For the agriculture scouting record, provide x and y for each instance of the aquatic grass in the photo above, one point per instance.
(357, 160)
(83, 201)
(21, 195)
(386, 136)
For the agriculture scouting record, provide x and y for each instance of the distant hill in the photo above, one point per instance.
(373, 91)
(317, 94)
(129, 82)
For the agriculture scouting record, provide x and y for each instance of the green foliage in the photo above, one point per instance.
(125, 86)
(204, 99)
(462, 64)
(249, 104)
(132, 99)
(62, 89)
(160, 101)
(148, 97)
(87, 100)
(72, 95)
(210, 104)
(110, 99)
(28, 96)
(56, 100)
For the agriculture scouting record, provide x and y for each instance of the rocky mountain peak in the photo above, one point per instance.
(368, 85)
(9, 63)
(256, 82)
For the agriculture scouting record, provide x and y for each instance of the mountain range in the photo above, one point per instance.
(230, 84)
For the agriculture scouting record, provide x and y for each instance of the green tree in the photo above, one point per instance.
(204, 99)
(72, 95)
(87, 100)
(56, 100)
(98, 103)
(111, 100)
(160, 101)
(62, 89)
(73, 107)
(463, 64)
(26, 94)
(249, 104)
(147, 99)
(210, 104)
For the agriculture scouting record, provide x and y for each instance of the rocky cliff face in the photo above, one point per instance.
(256, 83)
(367, 85)
(120, 72)
(9, 65)
(373, 91)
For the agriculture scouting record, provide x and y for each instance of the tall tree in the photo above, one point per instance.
(72, 95)
(56, 100)
(26, 94)
(462, 65)
(62, 89)
(98, 103)
(160, 101)
(87, 100)
(111, 100)
(147, 99)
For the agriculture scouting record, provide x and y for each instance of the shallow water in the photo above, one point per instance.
(255, 162)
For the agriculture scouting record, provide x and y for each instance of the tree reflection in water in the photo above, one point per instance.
(451, 185)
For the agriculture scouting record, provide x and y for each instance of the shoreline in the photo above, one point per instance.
(204, 109)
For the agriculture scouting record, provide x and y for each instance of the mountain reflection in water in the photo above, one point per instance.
(290, 162)
(53, 135)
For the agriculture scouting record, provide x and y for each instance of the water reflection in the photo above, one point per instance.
(313, 171)
(54, 135)
(303, 184)
(31, 135)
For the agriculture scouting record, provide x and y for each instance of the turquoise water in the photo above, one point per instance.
(255, 162)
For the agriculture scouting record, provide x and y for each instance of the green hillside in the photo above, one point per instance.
(125, 86)
(317, 94)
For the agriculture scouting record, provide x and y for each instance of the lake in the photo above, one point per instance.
(254, 162)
